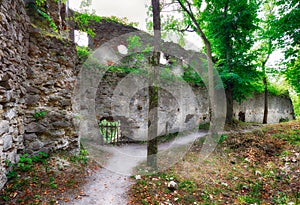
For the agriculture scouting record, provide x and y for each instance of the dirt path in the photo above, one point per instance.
(109, 185)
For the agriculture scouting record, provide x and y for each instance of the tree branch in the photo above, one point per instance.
(178, 10)
(192, 16)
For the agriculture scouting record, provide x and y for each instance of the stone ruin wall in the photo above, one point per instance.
(132, 110)
(252, 110)
(37, 74)
(180, 106)
(14, 43)
(135, 121)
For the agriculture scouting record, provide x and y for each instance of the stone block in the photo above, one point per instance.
(61, 124)
(32, 99)
(36, 145)
(30, 137)
(3, 179)
(10, 114)
(35, 127)
(7, 142)
(4, 126)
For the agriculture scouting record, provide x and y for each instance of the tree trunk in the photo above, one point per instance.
(230, 86)
(265, 81)
(265, 120)
(152, 128)
(229, 99)
(211, 87)
(153, 89)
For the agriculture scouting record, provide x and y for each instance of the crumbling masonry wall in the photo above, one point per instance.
(132, 110)
(14, 41)
(37, 77)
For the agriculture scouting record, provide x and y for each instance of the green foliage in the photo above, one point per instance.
(278, 90)
(40, 3)
(168, 137)
(296, 103)
(81, 157)
(83, 20)
(26, 163)
(38, 179)
(83, 52)
(287, 28)
(293, 74)
(134, 42)
(124, 69)
(40, 9)
(138, 54)
(191, 76)
(229, 27)
(292, 136)
(40, 114)
(223, 138)
(280, 198)
(190, 186)
(204, 126)
(248, 200)
(49, 19)
(123, 21)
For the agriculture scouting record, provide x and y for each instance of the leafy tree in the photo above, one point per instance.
(288, 27)
(193, 22)
(229, 25)
(266, 38)
(293, 74)
(226, 27)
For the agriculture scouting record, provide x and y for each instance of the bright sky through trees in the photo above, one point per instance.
(136, 11)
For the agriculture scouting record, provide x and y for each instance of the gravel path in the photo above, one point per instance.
(109, 185)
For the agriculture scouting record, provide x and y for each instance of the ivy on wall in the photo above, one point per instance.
(39, 7)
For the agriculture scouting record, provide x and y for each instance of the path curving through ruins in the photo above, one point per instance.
(109, 185)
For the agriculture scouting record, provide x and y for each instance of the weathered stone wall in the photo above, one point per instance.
(49, 87)
(56, 9)
(107, 30)
(252, 110)
(14, 41)
(124, 98)
(37, 77)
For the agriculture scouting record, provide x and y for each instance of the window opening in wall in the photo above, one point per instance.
(242, 116)
(81, 38)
